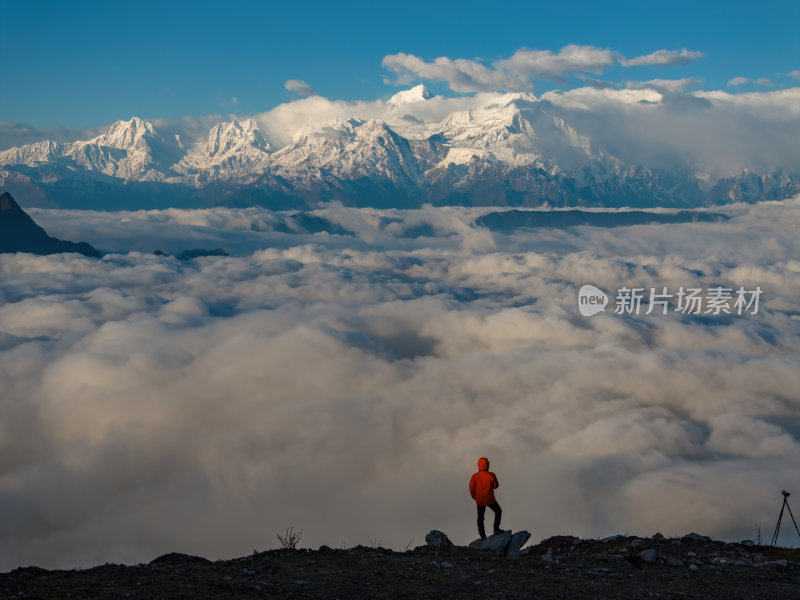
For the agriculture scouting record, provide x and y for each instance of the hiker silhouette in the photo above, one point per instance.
(481, 487)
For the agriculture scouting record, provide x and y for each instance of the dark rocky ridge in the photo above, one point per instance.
(19, 233)
(558, 567)
(510, 220)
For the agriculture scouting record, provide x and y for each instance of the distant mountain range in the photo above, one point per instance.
(514, 151)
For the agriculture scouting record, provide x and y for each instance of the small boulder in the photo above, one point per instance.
(697, 537)
(437, 539)
(675, 562)
(517, 542)
(747, 543)
(774, 563)
(649, 555)
(496, 543)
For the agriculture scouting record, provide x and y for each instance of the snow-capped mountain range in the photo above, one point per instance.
(513, 150)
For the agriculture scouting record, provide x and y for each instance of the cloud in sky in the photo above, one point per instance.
(666, 85)
(301, 87)
(517, 72)
(150, 405)
(461, 75)
(545, 64)
(762, 81)
(663, 58)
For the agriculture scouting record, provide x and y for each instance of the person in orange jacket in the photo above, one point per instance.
(481, 487)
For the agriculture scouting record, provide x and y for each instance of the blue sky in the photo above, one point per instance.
(86, 64)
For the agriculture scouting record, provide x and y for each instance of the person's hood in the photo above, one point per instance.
(483, 464)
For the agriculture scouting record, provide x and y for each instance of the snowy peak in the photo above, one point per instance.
(499, 131)
(349, 149)
(31, 154)
(416, 94)
(225, 138)
(231, 150)
(126, 134)
(129, 150)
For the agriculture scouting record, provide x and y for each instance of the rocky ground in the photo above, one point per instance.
(558, 567)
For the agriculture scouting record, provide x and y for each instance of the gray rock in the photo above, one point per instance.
(517, 542)
(694, 567)
(657, 536)
(649, 555)
(612, 538)
(437, 539)
(447, 565)
(675, 562)
(496, 543)
(747, 543)
(697, 536)
(774, 563)
(636, 543)
(548, 558)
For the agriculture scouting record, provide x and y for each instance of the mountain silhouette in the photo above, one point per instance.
(19, 233)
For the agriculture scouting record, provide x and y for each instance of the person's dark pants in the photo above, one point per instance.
(498, 513)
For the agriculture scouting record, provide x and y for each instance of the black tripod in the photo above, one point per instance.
(780, 516)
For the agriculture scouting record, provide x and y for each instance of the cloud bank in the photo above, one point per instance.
(517, 72)
(347, 384)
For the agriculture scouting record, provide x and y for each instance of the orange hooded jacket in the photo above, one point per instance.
(483, 484)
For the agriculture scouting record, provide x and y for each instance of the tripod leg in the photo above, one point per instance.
(778, 525)
(791, 515)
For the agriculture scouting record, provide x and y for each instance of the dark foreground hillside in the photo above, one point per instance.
(559, 567)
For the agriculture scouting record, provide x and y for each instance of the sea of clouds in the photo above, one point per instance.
(347, 384)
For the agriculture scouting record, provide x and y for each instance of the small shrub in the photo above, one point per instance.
(290, 539)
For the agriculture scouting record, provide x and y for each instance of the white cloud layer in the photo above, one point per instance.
(347, 384)
(544, 64)
(516, 72)
(461, 75)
